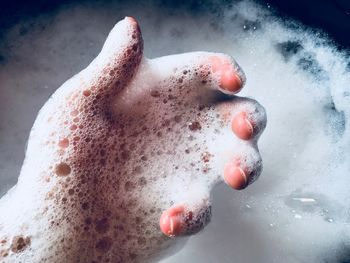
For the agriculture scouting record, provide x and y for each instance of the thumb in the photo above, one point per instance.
(118, 60)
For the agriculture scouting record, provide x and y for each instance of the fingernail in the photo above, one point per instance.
(228, 78)
(230, 81)
(235, 177)
(170, 225)
(242, 126)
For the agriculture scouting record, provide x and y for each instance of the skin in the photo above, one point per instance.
(114, 154)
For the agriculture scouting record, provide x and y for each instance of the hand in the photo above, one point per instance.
(127, 149)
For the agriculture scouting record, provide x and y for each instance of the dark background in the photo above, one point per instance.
(332, 16)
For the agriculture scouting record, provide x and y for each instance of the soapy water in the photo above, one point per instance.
(298, 210)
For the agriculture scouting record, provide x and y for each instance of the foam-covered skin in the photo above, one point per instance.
(126, 149)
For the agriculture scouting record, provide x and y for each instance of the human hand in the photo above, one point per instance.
(127, 149)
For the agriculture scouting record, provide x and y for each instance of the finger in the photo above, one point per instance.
(242, 126)
(228, 74)
(172, 221)
(249, 120)
(114, 67)
(121, 52)
(243, 170)
(211, 70)
(185, 219)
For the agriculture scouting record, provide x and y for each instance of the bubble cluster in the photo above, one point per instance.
(19, 243)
